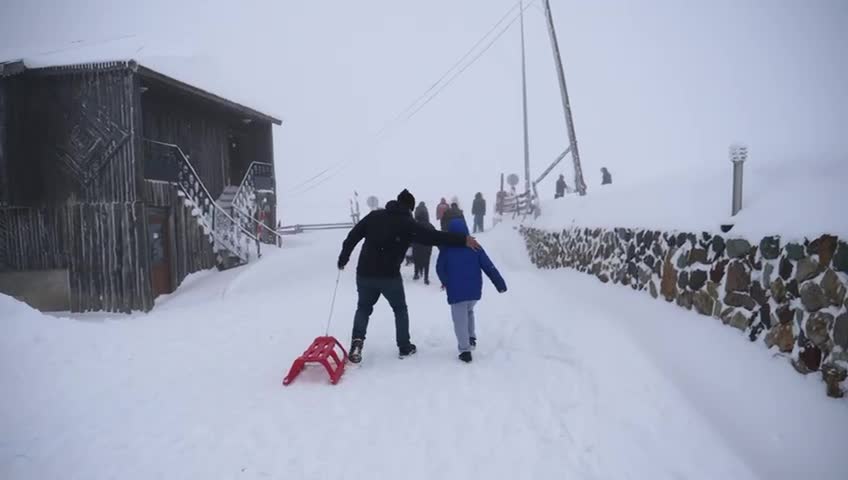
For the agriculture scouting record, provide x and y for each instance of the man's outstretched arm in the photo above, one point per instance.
(356, 234)
(437, 238)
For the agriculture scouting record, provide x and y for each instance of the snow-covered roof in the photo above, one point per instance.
(159, 60)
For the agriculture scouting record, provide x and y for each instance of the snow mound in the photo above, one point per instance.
(12, 309)
(794, 200)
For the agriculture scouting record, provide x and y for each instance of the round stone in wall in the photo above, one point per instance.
(738, 247)
(812, 296)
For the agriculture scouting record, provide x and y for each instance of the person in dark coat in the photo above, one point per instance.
(421, 213)
(451, 213)
(459, 270)
(478, 211)
(607, 177)
(388, 233)
(441, 209)
(560, 187)
(421, 254)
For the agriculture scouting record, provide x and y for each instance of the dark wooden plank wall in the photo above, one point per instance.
(25, 185)
(109, 267)
(33, 239)
(103, 246)
(4, 175)
(200, 132)
(76, 136)
(266, 139)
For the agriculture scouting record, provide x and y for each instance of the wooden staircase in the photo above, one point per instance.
(231, 241)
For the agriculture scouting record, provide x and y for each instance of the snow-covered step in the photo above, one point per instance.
(225, 200)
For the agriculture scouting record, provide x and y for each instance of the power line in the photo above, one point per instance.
(449, 70)
(445, 85)
(302, 187)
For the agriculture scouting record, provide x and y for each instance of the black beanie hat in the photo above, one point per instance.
(406, 199)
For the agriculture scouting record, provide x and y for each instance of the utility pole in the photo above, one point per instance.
(580, 184)
(524, 103)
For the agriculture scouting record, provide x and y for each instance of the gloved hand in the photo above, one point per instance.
(502, 291)
(341, 264)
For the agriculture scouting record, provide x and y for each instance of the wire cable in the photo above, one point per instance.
(451, 74)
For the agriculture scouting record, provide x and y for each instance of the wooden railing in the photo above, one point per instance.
(295, 229)
(244, 202)
(227, 233)
(520, 204)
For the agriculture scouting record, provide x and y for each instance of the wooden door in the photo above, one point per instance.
(159, 243)
(233, 171)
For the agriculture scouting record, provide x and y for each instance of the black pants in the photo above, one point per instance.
(478, 223)
(422, 268)
(370, 289)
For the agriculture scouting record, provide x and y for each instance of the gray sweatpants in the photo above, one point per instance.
(463, 323)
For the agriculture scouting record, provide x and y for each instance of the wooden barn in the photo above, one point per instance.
(117, 181)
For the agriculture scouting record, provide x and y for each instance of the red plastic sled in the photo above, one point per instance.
(322, 350)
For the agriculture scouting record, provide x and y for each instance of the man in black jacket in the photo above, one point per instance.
(388, 234)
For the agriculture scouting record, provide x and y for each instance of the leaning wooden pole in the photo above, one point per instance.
(580, 184)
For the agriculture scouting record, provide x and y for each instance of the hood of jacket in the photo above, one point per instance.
(457, 225)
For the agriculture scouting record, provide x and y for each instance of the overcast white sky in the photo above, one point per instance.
(656, 85)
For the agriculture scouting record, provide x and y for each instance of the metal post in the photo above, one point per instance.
(524, 103)
(738, 155)
(579, 183)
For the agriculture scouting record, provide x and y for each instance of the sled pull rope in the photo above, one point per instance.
(333, 303)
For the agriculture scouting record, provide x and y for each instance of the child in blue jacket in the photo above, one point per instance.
(459, 270)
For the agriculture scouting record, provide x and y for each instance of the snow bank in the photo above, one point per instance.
(14, 310)
(791, 199)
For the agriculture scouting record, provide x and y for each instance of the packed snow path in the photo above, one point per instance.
(571, 379)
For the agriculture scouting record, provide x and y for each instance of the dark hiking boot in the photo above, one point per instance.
(465, 357)
(407, 350)
(355, 354)
(473, 342)
(426, 281)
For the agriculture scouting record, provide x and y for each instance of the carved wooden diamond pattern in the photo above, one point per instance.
(93, 140)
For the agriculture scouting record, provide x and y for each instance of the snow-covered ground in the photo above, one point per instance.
(571, 379)
(791, 198)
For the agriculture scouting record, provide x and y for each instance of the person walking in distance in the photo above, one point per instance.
(441, 208)
(561, 187)
(606, 176)
(453, 212)
(422, 212)
(422, 253)
(478, 211)
(387, 234)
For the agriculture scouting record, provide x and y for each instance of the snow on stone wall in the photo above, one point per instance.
(791, 296)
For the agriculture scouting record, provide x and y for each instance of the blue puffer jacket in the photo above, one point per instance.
(459, 269)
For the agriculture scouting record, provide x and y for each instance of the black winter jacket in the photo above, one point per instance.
(421, 253)
(388, 234)
(478, 206)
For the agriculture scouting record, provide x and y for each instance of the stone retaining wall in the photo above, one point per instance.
(791, 296)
